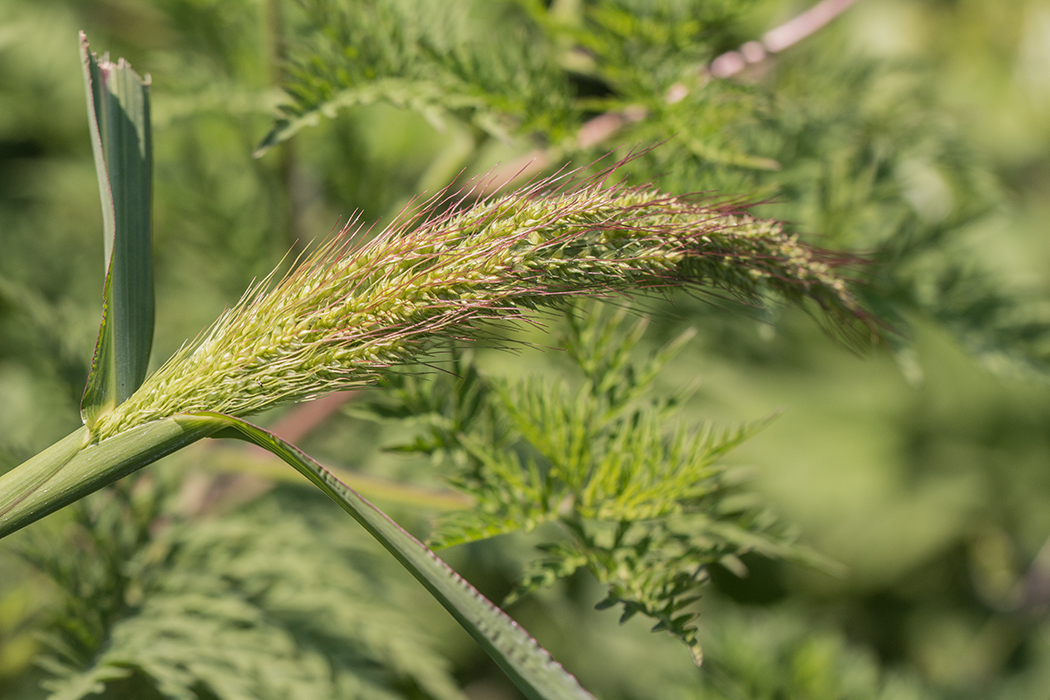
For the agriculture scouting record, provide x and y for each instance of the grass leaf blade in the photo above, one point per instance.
(119, 115)
(531, 668)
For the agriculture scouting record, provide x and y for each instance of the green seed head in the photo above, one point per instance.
(350, 311)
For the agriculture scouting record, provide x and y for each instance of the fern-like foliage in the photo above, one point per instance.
(902, 182)
(258, 604)
(783, 654)
(438, 59)
(639, 500)
(527, 68)
(646, 63)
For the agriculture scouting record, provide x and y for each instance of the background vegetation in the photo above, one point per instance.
(916, 131)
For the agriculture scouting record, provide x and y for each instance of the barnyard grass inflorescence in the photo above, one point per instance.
(360, 305)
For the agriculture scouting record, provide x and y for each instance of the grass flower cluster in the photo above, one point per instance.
(354, 309)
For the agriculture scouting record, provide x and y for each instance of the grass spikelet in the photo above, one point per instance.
(352, 310)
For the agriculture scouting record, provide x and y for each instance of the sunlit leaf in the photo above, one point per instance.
(118, 112)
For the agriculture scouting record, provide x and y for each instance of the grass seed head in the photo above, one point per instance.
(352, 310)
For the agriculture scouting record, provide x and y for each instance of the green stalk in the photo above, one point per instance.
(74, 467)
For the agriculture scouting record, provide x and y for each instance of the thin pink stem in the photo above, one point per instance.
(797, 29)
(776, 40)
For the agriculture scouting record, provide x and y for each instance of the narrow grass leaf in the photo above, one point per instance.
(528, 664)
(118, 112)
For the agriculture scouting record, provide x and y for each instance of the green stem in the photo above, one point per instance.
(74, 467)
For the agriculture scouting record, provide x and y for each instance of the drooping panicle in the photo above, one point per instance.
(352, 310)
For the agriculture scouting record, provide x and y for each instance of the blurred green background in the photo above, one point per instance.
(926, 471)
